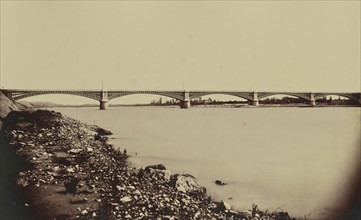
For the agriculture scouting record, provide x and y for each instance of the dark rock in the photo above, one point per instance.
(219, 182)
(102, 131)
(235, 215)
(71, 184)
(140, 174)
(222, 206)
(254, 209)
(61, 158)
(100, 138)
(155, 167)
(282, 216)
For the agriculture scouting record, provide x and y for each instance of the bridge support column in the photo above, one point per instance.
(103, 103)
(313, 102)
(255, 101)
(186, 102)
(312, 99)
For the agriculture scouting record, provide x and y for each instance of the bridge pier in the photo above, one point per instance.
(185, 104)
(312, 100)
(255, 101)
(103, 105)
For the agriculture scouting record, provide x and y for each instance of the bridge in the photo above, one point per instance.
(184, 97)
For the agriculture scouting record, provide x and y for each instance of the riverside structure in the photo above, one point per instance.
(103, 96)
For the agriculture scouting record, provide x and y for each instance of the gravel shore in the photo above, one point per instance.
(67, 170)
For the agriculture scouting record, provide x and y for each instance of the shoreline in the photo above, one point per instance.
(126, 192)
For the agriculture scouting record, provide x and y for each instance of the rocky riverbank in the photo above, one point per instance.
(66, 170)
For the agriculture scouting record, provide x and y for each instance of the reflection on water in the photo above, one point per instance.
(296, 159)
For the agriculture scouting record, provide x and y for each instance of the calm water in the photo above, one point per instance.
(295, 159)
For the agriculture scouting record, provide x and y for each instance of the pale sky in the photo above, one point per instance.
(213, 45)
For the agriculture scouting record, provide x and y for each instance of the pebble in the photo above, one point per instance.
(84, 212)
(126, 199)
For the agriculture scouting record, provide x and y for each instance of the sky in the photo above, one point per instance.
(172, 45)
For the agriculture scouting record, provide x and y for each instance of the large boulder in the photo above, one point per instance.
(157, 171)
(222, 206)
(282, 216)
(187, 184)
(102, 131)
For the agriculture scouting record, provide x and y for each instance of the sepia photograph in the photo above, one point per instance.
(180, 110)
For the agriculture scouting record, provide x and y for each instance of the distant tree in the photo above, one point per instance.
(329, 101)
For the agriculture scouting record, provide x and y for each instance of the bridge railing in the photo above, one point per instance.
(154, 90)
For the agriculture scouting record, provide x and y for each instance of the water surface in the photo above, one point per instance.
(296, 159)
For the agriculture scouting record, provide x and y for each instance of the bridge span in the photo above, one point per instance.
(185, 97)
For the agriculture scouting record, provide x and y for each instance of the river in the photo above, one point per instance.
(295, 159)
